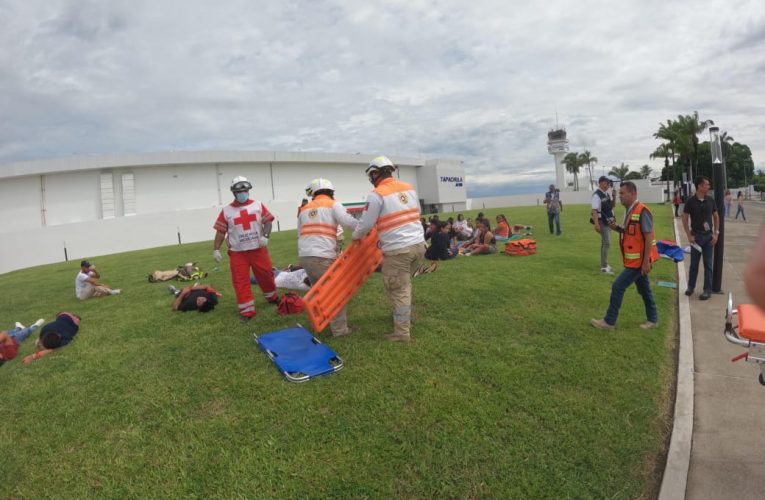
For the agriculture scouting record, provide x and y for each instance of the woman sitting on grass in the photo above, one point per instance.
(440, 243)
(55, 335)
(503, 231)
(484, 242)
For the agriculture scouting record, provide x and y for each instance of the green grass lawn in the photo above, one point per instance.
(505, 391)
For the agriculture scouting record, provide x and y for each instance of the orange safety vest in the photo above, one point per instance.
(632, 241)
(317, 228)
(398, 224)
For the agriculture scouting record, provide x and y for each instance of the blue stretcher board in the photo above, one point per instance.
(298, 355)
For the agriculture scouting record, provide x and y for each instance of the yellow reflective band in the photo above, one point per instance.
(653, 242)
(635, 216)
(632, 255)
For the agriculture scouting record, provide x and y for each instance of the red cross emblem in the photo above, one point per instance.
(244, 219)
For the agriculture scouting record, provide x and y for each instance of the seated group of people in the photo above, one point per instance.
(451, 237)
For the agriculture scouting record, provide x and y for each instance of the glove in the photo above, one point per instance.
(263, 241)
(216, 255)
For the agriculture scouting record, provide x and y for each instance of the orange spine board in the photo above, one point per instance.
(342, 280)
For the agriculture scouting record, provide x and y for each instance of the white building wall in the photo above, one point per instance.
(174, 192)
(20, 200)
(72, 197)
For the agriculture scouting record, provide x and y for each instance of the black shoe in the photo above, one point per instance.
(705, 295)
(689, 291)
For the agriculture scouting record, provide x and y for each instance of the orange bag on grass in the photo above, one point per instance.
(522, 247)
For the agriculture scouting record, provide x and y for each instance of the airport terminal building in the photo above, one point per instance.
(93, 205)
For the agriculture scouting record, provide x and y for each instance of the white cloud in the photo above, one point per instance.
(481, 80)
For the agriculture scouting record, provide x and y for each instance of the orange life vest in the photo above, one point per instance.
(632, 241)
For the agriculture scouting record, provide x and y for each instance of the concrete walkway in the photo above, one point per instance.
(727, 455)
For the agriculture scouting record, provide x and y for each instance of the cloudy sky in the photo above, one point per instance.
(481, 81)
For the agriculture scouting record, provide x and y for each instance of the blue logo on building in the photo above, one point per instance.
(456, 180)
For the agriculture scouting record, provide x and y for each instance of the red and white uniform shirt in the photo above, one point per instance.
(243, 223)
(318, 227)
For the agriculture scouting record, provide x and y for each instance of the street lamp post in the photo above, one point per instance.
(719, 186)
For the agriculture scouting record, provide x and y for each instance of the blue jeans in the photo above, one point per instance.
(705, 242)
(643, 284)
(21, 334)
(551, 217)
(740, 211)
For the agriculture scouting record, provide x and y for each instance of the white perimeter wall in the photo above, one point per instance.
(646, 193)
(168, 199)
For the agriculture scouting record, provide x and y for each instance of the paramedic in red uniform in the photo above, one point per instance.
(393, 208)
(318, 222)
(248, 225)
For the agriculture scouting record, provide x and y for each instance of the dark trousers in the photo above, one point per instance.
(707, 250)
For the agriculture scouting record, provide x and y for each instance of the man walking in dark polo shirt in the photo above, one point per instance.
(701, 224)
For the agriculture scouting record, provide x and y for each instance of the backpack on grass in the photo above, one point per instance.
(518, 248)
(291, 303)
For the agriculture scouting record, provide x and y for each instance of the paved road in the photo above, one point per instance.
(728, 448)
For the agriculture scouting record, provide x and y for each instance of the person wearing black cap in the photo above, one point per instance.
(86, 283)
(602, 213)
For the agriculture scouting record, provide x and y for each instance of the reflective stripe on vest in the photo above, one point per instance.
(398, 224)
(317, 228)
(632, 241)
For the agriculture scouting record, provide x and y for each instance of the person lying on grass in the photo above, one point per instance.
(55, 335)
(202, 298)
(10, 339)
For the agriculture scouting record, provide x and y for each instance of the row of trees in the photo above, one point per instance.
(575, 161)
(682, 152)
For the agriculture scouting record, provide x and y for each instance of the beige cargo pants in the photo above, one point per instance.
(397, 269)
(315, 267)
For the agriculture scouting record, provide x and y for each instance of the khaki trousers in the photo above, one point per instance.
(95, 291)
(315, 267)
(397, 269)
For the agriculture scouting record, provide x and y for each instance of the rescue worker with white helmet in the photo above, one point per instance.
(394, 209)
(318, 222)
(246, 225)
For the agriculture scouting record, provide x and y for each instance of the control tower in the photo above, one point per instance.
(557, 145)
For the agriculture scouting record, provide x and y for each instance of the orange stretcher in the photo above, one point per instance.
(749, 333)
(344, 277)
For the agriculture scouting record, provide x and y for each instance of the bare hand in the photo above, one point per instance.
(597, 228)
(714, 239)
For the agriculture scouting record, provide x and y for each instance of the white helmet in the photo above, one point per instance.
(319, 184)
(239, 184)
(378, 165)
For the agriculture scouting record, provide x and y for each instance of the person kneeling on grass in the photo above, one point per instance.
(10, 339)
(202, 298)
(54, 335)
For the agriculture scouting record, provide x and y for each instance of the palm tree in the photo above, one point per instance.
(726, 141)
(586, 158)
(572, 163)
(645, 171)
(689, 127)
(668, 133)
(620, 172)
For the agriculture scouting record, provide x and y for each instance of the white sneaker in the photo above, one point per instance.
(172, 289)
(19, 326)
(38, 323)
(115, 292)
(606, 270)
